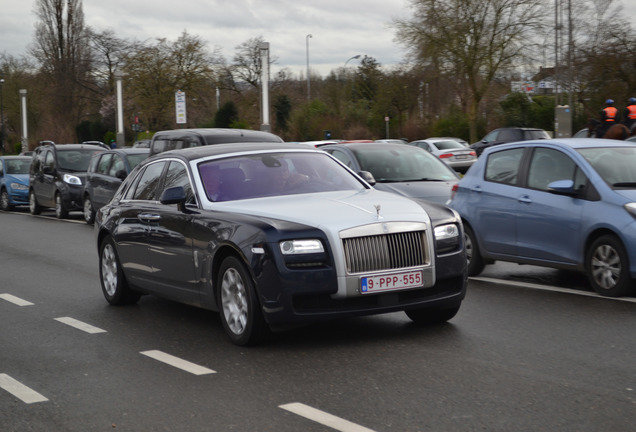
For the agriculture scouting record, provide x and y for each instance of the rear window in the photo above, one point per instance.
(536, 134)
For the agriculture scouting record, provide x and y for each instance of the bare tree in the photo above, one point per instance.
(474, 40)
(61, 50)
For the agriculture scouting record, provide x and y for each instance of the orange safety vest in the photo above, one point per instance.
(610, 113)
(631, 112)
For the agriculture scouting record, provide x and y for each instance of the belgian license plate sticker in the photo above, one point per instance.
(397, 281)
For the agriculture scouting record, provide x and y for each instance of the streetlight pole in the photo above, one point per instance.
(2, 115)
(308, 84)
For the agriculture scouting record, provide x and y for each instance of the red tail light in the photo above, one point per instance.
(445, 155)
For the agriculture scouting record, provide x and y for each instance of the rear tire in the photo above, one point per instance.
(239, 307)
(473, 256)
(431, 316)
(114, 285)
(34, 207)
(89, 211)
(607, 267)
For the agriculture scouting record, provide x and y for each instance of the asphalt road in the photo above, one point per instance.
(515, 358)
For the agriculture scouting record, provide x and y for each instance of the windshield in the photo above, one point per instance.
(18, 166)
(402, 163)
(274, 174)
(614, 164)
(448, 145)
(76, 160)
(134, 159)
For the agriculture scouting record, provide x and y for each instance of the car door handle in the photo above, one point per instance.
(525, 199)
(148, 217)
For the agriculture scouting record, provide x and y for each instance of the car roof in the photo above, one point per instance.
(193, 153)
(130, 150)
(574, 143)
(375, 145)
(213, 135)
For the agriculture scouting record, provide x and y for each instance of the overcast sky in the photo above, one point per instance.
(340, 29)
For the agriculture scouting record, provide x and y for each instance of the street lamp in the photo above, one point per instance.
(1, 116)
(308, 84)
(352, 58)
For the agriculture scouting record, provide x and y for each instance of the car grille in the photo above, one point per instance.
(385, 252)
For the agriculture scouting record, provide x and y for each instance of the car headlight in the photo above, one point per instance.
(19, 186)
(446, 238)
(296, 247)
(72, 180)
(631, 209)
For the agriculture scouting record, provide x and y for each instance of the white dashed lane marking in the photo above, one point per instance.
(15, 300)
(178, 362)
(19, 390)
(80, 325)
(324, 418)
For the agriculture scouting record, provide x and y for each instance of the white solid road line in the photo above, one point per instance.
(19, 390)
(80, 325)
(324, 418)
(178, 363)
(15, 300)
(552, 288)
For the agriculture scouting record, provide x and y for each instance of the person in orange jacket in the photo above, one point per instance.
(629, 114)
(609, 116)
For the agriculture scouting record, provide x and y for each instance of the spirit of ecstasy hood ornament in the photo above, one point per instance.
(377, 210)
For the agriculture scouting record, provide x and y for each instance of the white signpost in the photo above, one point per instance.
(180, 103)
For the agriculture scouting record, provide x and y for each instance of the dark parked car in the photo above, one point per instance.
(508, 134)
(14, 181)
(272, 235)
(398, 168)
(56, 177)
(105, 173)
(184, 138)
(567, 204)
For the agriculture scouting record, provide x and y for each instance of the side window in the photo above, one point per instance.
(177, 175)
(117, 165)
(509, 135)
(503, 166)
(49, 160)
(548, 165)
(148, 184)
(159, 145)
(342, 157)
(104, 161)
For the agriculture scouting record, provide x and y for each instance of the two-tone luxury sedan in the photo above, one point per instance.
(273, 235)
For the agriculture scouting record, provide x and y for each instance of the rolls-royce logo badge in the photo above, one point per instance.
(377, 209)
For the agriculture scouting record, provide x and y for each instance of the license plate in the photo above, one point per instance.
(392, 282)
(461, 157)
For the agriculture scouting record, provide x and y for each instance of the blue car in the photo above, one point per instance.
(14, 181)
(561, 203)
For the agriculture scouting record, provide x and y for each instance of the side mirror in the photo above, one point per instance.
(563, 187)
(121, 174)
(368, 177)
(48, 170)
(173, 195)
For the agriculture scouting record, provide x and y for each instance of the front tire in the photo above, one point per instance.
(34, 207)
(89, 211)
(473, 256)
(114, 285)
(607, 267)
(60, 211)
(4, 200)
(431, 316)
(239, 307)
